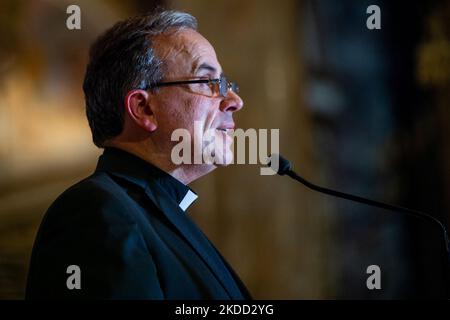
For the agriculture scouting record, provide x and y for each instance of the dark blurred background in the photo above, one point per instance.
(363, 111)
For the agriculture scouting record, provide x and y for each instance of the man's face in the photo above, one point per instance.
(187, 55)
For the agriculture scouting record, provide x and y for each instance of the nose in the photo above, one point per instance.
(231, 103)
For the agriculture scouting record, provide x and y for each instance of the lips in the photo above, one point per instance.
(226, 127)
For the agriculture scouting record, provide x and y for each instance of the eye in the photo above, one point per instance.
(202, 85)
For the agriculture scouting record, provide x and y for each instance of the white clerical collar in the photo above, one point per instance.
(188, 199)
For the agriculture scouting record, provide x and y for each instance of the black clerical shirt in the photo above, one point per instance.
(125, 230)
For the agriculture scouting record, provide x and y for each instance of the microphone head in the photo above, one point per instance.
(284, 166)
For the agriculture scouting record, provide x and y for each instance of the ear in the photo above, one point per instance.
(139, 108)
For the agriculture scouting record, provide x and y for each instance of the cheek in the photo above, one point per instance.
(173, 112)
(200, 111)
(206, 111)
(192, 112)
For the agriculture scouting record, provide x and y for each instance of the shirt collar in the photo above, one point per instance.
(140, 171)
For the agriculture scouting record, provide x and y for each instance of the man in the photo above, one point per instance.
(123, 232)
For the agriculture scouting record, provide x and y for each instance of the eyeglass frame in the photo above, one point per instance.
(229, 85)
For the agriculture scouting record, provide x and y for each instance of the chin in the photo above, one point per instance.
(218, 151)
(225, 159)
(220, 157)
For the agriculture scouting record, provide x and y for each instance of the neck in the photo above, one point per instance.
(186, 173)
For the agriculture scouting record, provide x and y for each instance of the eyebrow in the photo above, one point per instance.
(205, 66)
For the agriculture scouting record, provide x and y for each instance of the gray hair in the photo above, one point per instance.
(122, 59)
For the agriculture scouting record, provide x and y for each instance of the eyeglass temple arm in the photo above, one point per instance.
(173, 83)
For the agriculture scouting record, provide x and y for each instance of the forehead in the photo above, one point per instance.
(186, 52)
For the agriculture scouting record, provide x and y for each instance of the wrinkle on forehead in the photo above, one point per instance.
(183, 51)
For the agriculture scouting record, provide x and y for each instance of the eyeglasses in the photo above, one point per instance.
(209, 87)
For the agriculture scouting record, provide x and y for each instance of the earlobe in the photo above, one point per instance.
(150, 125)
(139, 109)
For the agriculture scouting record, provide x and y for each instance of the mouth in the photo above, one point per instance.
(226, 128)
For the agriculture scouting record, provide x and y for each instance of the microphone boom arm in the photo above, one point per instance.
(284, 167)
(378, 204)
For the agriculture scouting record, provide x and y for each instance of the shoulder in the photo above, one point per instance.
(97, 199)
(98, 185)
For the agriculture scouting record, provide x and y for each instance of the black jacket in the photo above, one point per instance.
(124, 229)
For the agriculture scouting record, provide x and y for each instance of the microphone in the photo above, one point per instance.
(285, 168)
